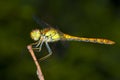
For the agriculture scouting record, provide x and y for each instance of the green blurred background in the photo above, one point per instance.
(70, 60)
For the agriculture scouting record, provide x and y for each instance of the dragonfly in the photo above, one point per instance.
(50, 34)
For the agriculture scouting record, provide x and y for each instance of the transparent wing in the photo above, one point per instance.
(40, 22)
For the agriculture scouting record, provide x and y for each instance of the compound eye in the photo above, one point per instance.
(35, 34)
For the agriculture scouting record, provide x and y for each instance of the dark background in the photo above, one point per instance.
(70, 60)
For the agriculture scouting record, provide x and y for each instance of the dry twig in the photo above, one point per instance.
(39, 72)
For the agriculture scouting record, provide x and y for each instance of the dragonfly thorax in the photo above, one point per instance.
(50, 35)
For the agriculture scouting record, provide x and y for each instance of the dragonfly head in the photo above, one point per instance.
(35, 34)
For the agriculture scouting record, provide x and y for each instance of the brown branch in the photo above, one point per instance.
(39, 72)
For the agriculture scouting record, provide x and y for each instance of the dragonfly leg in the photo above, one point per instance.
(41, 45)
(39, 48)
(49, 50)
(34, 43)
(35, 48)
(39, 42)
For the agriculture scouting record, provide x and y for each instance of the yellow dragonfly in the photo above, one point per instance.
(51, 34)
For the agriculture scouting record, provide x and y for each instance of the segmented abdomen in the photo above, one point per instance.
(93, 40)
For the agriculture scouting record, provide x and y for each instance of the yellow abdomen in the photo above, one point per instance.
(93, 40)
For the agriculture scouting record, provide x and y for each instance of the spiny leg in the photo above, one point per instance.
(41, 45)
(38, 43)
(34, 44)
(49, 50)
